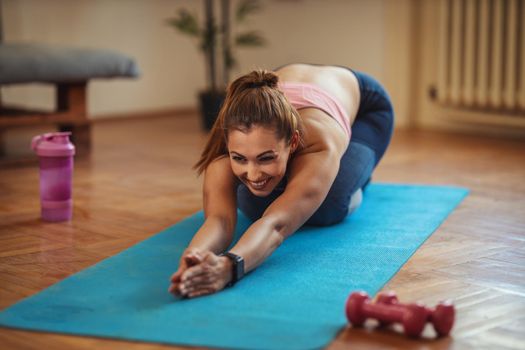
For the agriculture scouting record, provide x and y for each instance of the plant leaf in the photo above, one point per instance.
(251, 38)
(186, 23)
(245, 8)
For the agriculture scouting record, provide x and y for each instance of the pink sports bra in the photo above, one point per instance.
(306, 95)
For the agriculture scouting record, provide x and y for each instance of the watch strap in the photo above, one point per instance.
(237, 267)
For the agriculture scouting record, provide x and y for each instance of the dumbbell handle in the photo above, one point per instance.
(396, 303)
(385, 313)
(413, 317)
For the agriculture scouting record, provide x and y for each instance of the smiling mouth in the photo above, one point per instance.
(259, 185)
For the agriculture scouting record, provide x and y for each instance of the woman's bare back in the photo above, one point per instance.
(337, 81)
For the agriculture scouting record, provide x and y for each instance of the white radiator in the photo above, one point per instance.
(481, 63)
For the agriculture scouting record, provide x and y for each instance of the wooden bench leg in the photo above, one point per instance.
(3, 151)
(73, 98)
(2, 132)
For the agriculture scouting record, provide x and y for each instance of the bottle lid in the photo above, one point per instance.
(53, 144)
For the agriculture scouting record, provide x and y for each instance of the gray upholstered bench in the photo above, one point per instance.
(69, 70)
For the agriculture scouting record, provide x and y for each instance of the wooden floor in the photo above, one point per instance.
(139, 181)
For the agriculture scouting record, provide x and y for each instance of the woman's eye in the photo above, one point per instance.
(237, 159)
(266, 159)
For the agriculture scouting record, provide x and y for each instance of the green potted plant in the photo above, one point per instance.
(212, 37)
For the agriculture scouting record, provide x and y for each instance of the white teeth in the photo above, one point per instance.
(259, 184)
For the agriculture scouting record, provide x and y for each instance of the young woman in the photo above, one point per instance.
(290, 147)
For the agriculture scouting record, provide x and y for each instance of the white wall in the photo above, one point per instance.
(356, 33)
(333, 32)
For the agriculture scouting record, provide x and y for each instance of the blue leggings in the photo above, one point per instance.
(371, 134)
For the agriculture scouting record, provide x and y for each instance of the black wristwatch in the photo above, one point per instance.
(237, 267)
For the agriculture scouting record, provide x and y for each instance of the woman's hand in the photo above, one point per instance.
(209, 275)
(189, 258)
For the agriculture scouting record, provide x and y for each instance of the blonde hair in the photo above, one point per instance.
(252, 99)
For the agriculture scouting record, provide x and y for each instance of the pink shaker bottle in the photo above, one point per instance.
(55, 153)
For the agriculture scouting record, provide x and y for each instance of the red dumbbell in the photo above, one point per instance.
(441, 317)
(412, 316)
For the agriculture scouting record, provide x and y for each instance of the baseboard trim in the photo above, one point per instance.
(478, 129)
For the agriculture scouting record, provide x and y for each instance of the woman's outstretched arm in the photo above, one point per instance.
(220, 208)
(220, 211)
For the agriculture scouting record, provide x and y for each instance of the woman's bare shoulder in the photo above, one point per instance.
(219, 174)
(219, 190)
(219, 163)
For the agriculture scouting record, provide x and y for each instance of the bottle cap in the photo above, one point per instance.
(53, 144)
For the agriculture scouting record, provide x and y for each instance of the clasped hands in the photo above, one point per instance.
(200, 273)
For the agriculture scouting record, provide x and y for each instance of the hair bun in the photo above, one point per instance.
(260, 78)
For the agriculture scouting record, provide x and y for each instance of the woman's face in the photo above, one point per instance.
(258, 158)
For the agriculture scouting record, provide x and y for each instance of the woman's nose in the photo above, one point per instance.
(253, 172)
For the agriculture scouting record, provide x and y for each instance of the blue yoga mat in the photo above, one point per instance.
(295, 300)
